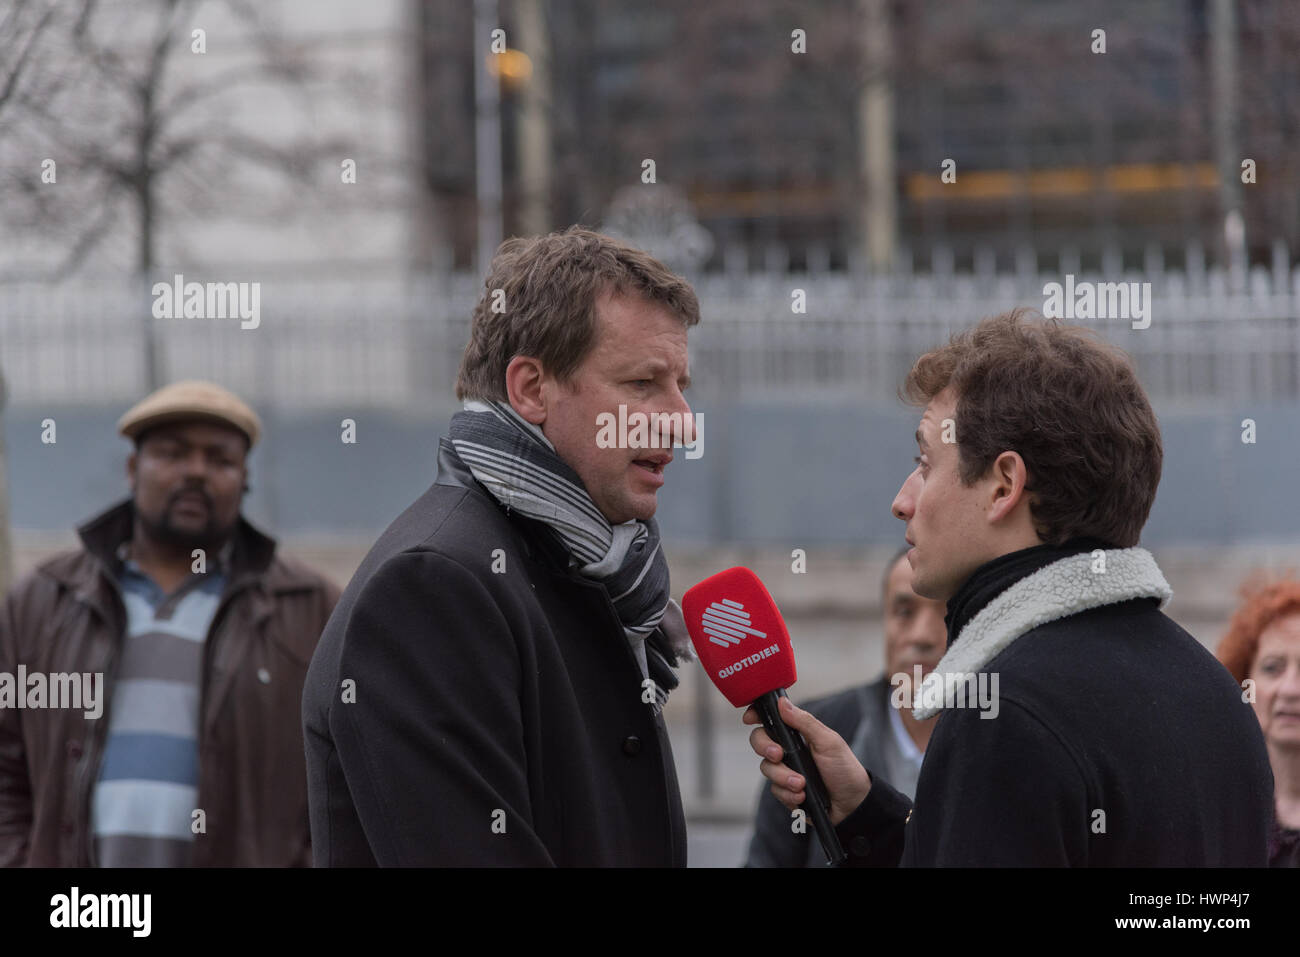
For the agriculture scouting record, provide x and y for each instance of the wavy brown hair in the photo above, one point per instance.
(551, 284)
(1263, 601)
(1069, 404)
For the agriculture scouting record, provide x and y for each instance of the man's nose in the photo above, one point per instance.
(929, 634)
(195, 464)
(926, 641)
(677, 424)
(902, 507)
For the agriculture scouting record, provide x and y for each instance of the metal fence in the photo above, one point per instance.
(394, 341)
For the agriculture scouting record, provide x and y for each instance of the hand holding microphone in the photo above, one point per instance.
(846, 780)
(743, 644)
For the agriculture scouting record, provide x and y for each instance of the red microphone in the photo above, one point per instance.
(743, 644)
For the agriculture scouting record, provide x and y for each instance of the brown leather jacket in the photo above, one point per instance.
(68, 616)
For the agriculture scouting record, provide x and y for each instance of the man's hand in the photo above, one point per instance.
(847, 781)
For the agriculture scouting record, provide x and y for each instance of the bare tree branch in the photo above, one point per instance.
(108, 108)
(91, 236)
(14, 72)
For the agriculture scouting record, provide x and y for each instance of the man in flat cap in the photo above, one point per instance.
(189, 639)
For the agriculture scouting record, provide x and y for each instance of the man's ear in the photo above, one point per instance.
(130, 472)
(524, 377)
(1010, 476)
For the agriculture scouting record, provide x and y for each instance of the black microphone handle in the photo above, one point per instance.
(800, 760)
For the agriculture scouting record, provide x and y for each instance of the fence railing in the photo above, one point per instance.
(395, 341)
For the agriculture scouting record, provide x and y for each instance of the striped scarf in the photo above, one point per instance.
(519, 467)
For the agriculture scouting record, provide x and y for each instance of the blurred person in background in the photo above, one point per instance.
(882, 736)
(1262, 645)
(201, 634)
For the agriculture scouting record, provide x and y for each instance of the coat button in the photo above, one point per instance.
(631, 745)
(73, 748)
(264, 676)
(860, 846)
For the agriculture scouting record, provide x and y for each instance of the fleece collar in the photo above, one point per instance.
(1063, 588)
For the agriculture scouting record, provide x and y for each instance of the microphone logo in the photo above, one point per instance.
(726, 622)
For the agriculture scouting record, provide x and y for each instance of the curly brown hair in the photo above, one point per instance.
(1069, 404)
(1263, 601)
(550, 286)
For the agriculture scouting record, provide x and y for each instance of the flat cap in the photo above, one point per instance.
(187, 401)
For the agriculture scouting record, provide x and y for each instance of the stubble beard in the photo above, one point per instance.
(165, 532)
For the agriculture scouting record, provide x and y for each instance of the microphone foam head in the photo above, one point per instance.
(739, 635)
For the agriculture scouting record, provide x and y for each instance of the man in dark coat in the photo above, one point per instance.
(1080, 726)
(489, 690)
(887, 739)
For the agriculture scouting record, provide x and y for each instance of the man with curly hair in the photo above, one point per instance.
(1116, 740)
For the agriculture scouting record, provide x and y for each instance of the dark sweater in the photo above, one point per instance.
(1119, 741)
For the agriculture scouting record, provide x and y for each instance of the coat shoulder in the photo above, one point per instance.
(1123, 645)
(36, 595)
(66, 568)
(454, 527)
(459, 523)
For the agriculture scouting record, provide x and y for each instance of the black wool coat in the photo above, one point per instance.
(1119, 741)
(473, 702)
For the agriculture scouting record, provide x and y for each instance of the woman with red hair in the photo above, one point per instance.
(1262, 650)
